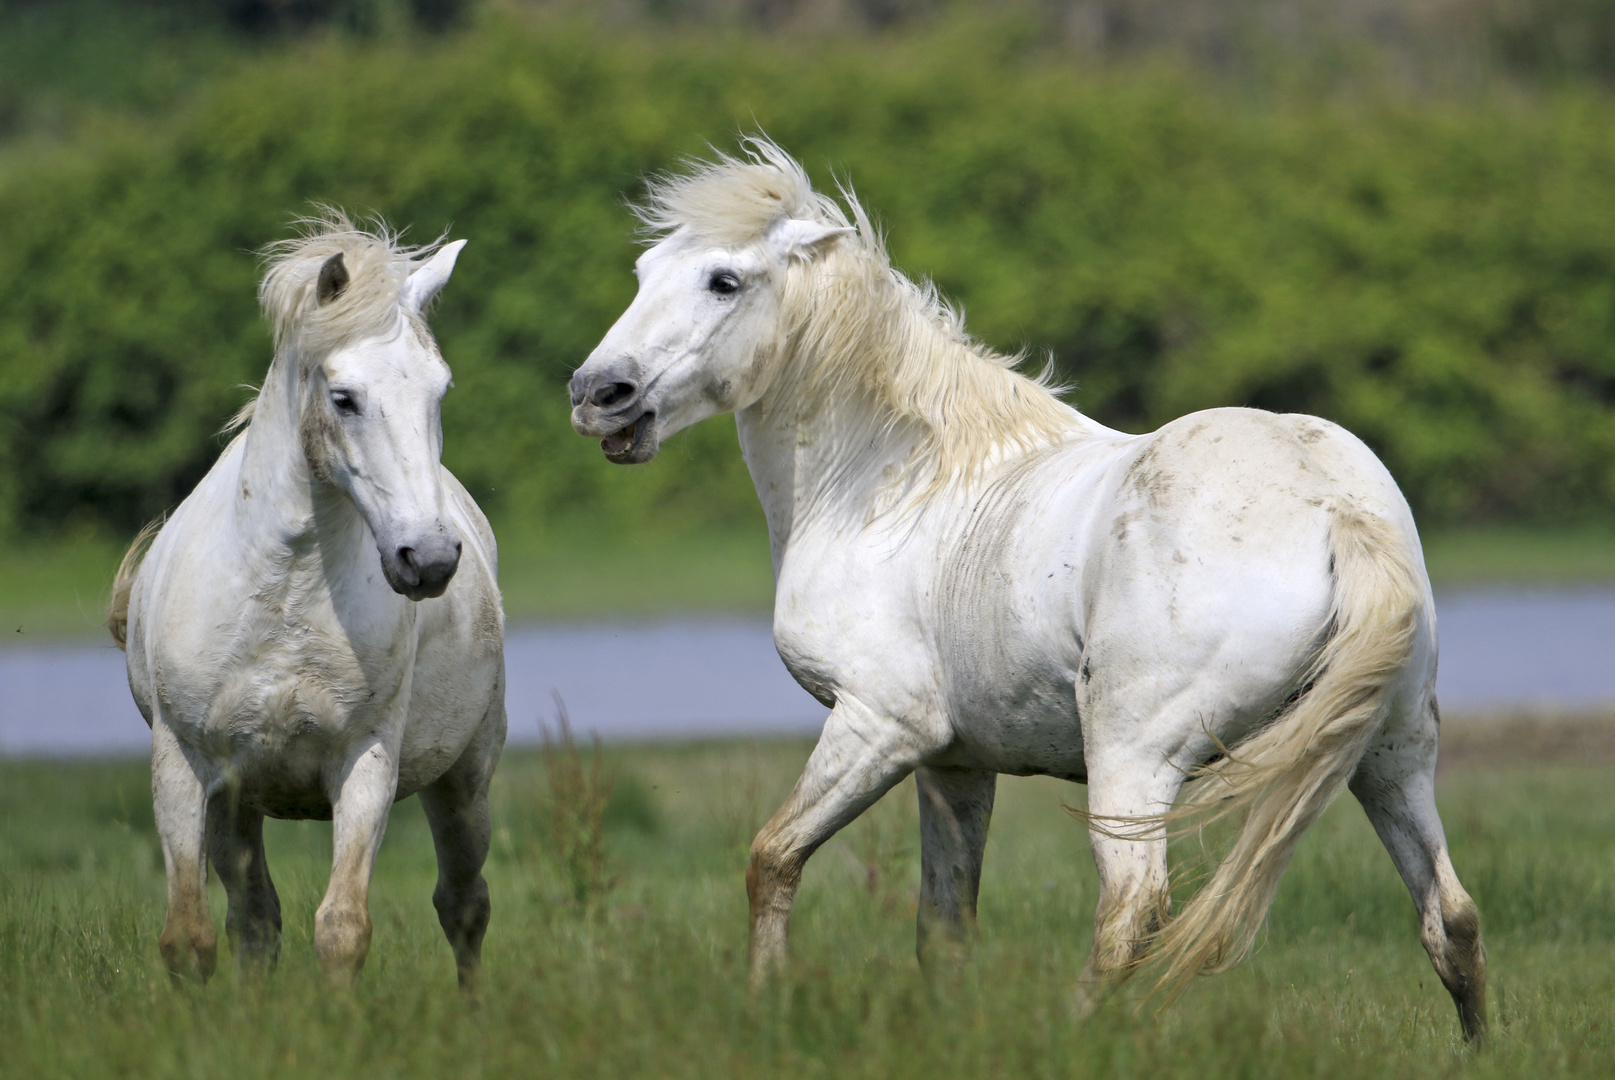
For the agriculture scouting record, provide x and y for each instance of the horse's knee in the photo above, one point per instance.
(189, 947)
(772, 875)
(342, 939)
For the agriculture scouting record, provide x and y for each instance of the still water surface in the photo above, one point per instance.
(1499, 649)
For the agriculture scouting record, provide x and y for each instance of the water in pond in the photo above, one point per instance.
(1499, 649)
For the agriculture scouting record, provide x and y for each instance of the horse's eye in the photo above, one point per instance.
(344, 402)
(724, 283)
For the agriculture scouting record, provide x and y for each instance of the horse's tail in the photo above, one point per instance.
(123, 582)
(1287, 773)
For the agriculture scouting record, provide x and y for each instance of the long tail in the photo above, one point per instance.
(124, 581)
(1287, 773)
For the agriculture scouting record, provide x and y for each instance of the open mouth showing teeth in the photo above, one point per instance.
(621, 441)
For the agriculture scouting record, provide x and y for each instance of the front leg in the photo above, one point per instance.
(861, 754)
(188, 942)
(956, 806)
(359, 807)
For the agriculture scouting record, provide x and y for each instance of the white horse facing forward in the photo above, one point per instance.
(980, 580)
(286, 669)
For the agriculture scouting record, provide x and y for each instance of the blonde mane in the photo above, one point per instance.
(377, 265)
(857, 324)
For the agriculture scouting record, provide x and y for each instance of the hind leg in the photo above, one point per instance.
(235, 836)
(955, 808)
(1134, 889)
(457, 810)
(1396, 785)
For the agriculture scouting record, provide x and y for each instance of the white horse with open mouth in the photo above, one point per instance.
(980, 580)
(316, 632)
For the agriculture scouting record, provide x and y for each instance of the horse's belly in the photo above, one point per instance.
(457, 699)
(429, 751)
(1033, 730)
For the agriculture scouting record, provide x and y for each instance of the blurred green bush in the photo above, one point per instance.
(1437, 276)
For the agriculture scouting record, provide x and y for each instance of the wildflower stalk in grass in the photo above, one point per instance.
(573, 812)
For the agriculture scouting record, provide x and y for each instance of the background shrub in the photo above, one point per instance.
(1437, 275)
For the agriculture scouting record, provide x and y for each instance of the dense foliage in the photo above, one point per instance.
(1438, 277)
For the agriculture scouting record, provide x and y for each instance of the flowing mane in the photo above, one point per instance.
(859, 324)
(377, 266)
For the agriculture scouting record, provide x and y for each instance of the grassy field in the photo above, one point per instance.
(59, 592)
(647, 980)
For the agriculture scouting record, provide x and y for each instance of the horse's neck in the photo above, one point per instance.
(829, 465)
(823, 452)
(282, 510)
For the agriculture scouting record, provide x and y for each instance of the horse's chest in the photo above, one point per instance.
(297, 693)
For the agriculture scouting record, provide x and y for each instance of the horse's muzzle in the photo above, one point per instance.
(608, 404)
(423, 568)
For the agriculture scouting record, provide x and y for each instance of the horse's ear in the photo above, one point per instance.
(795, 238)
(424, 283)
(333, 279)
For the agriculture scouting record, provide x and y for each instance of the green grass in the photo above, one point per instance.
(1517, 555)
(59, 592)
(580, 573)
(650, 982)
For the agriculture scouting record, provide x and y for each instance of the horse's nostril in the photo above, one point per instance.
(613, 394)
(406, 557)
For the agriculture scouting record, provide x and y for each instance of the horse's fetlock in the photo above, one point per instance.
(1117, 954)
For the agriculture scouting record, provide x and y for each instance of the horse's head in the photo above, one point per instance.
(704, 332)
(371, 426)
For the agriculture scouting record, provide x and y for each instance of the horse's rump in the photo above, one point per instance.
(1285, 774)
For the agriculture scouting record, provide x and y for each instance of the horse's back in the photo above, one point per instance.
(1261, 459)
